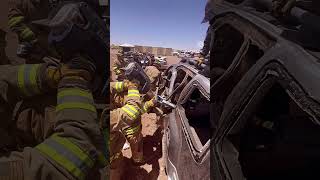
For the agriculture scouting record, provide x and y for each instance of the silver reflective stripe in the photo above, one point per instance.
(74, 98)
(67, 154)
(26, 77)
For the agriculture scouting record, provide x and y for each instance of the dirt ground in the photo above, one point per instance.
(152, 131)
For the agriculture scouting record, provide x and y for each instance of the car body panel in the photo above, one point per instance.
(183, 155)
(286, 63)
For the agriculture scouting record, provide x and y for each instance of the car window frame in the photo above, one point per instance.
(199, 154)
(270, 76)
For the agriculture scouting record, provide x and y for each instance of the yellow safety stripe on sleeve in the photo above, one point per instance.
(15, 21)
(133, 93)
(75, 98)
(68, 155)
(74, 149)
(84, 106)
(27, 34)
(132, 130)
(119, 86)
(27, 79)
(131, 111)
(73, 92)
(118, 71)
(147, 106)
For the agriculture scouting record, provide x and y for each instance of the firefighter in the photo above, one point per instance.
(125, 124)
(72, 150)
(33, 45)
(118, 93)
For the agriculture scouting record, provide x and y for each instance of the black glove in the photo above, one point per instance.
(24, 49)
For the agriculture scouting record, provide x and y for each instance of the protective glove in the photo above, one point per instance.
(24, 49)
(78, 67)
(133, 84)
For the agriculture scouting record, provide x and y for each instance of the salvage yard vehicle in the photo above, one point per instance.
(264, 103)
(265, 96)
(161, 60)
(187, 129)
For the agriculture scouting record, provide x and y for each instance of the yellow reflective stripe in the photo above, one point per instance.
(27, 79)
(131, 111)
(27, 34)
(14, 21)
(33, 78)
(133, 93)
(74, 92)
(21, 79)
(132, 130)
(147, 106)
(53, 154)
(85, 106)
(119, 86)
(132, 115)
(133, 108)
(74, 149)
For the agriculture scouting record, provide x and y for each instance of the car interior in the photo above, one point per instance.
(181, 80)
(278, 141)
(226, 45)
(197, 110)
(226, 48)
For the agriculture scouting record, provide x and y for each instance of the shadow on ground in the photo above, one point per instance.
(152, 153)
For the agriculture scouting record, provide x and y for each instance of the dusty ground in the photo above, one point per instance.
(152, 131)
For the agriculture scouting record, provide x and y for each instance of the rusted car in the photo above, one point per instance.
(265, 107)
(186, 141)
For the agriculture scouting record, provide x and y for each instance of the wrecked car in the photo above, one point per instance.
(186, 139)
(264, 95)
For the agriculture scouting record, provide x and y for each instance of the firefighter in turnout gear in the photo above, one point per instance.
(118, 65)
(125, 124)
(33, 43)
(70, 147)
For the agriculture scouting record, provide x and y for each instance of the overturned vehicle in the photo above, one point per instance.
(265, 105)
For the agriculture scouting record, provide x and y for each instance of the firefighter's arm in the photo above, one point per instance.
(116, 69)
(17, 20)
(70, 152)
(117, 87)
(132, 103)
(22, 81)
(148, 105)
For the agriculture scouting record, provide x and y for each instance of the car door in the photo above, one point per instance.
(245, 100)
(188, 132)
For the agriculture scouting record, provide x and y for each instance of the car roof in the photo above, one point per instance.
(204, 81)
(302, 65)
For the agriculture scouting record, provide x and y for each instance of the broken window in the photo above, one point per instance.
(229, 81)
(181, 80)
(227, 43)
(278, 141)
(197, 111)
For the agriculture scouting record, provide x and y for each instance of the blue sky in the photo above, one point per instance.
(164, 23)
